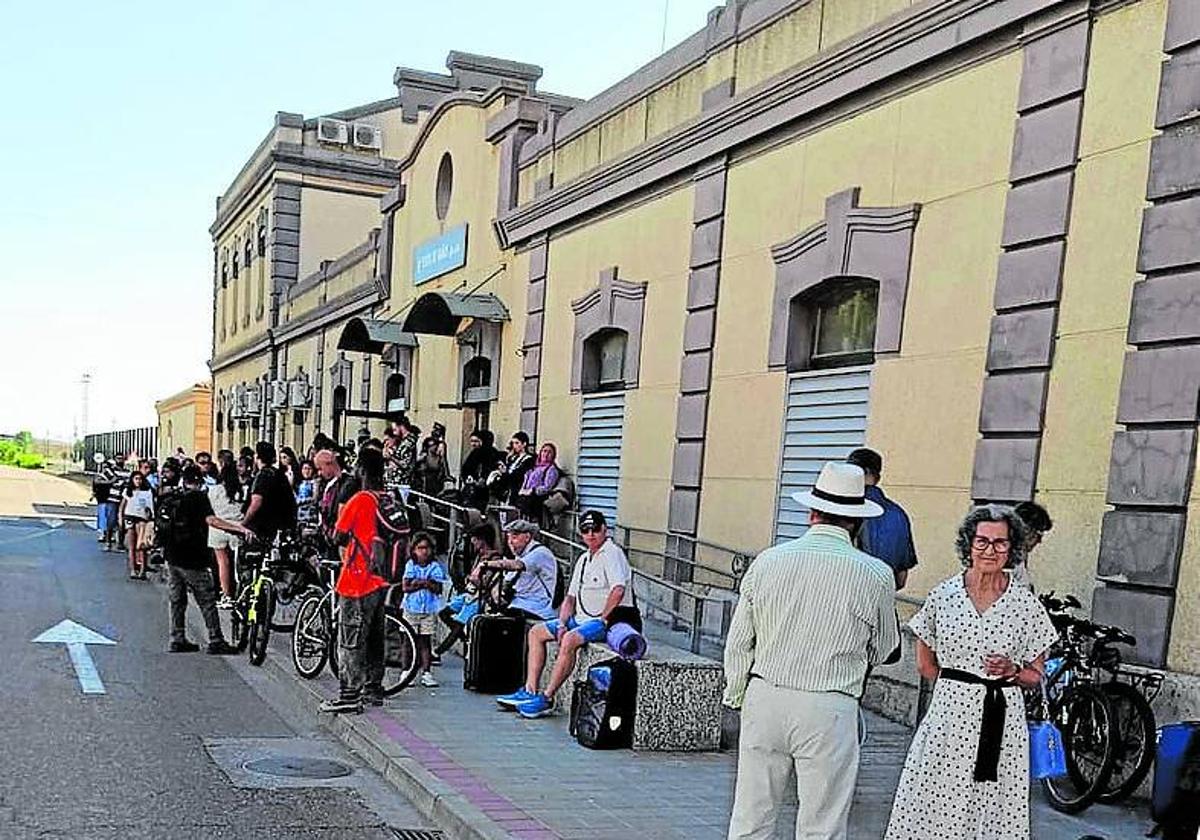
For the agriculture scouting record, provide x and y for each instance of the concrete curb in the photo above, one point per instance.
(435, 800)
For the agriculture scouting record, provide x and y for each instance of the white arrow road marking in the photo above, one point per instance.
(77, 637)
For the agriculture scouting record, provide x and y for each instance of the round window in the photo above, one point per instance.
(445, 186)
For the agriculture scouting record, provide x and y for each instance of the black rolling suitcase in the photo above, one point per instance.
(1175, 804)
(495, 654)
(603, 705)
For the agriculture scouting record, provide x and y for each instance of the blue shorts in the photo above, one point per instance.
(592, 630)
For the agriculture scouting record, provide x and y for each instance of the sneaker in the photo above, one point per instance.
(221, 648)
(428, 681)
(225, 603)
(539, 706)
(183, 647)
(341, 706)
(511, 701)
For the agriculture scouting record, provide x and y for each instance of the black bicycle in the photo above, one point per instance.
(1080, 709)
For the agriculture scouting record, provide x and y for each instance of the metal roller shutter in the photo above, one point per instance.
(826, 420)
(601, 430)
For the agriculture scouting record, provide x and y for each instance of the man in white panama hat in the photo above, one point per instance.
(814, 616)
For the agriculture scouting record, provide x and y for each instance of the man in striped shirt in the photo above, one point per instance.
(814, 616)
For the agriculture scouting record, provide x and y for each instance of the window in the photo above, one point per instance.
(445, 186)
(833, 325)
(604, 361)
(248, 253)
(339, 406)
(393, 389)
(262, 236)
(844, 327)
(235, 260)
(477, 380)
(224, 268)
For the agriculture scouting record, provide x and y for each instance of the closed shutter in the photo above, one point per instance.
(601, 430)
(826, 421)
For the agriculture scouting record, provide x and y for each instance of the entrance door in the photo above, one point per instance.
(826, 420)
(601, 433)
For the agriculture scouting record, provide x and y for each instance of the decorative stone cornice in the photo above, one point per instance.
(926, 33)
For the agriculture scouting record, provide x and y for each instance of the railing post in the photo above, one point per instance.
(697, 621)
(452, 532)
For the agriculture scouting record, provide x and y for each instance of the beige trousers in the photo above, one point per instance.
(811, 734)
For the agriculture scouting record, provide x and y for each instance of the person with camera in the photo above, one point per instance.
(530, 575)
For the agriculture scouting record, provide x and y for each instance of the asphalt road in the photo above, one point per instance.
(145, 759)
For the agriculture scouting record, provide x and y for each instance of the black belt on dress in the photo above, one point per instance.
(991, 729)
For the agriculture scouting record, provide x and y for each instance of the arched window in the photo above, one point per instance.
(339, 406)
(833, 325)
(224, 268)
(604, 361)
(262, 234)
(394, 389)
(220, 425)
(248, 249)
(477, 380)
(235, 258)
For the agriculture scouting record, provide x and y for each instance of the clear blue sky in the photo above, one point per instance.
(121, 122)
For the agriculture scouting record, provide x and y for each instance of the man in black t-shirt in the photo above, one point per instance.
(187, 555)
(272, 506)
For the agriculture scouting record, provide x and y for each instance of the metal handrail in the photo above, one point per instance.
(732, 576)
(695, 621)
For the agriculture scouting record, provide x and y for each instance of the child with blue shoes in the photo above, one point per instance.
(422, 584)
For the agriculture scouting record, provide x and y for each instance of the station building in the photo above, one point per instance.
(963, 233)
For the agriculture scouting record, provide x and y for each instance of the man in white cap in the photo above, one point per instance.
(814, 616)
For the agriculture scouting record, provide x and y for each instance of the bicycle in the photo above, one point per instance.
(315, 639)
(1081, 711)
(1134, 730)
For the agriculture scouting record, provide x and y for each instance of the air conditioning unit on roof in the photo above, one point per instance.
(333, 131)
(367, 136)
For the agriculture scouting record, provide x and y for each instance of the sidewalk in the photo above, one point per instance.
(33, 493)
(480, 772)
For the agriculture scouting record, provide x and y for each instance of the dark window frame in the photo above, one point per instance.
(592, 379)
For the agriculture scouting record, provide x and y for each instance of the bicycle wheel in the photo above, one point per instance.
(260, 630)
(310, 639)
(1134, 736)
(400, 654)
(287, 604)
(1083, 717)
(239, 627)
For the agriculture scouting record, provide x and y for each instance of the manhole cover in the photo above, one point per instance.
(296, 767)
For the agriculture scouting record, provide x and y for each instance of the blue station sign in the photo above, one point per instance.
(440, 255)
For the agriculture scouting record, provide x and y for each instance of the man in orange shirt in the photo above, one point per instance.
(361, 594)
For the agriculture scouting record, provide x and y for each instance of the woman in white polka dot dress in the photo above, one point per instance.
(967, 772)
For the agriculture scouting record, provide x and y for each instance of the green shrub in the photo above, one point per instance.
(30, 461)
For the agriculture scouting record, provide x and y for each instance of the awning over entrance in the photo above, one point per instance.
(441, 313)
(368, 336)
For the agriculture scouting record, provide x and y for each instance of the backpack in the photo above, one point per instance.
(389, 549)
(603, 706)
(171, 528)
(560, 585)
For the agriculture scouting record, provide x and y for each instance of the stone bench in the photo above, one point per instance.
(678, 697)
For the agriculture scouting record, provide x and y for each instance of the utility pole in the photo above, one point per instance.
(84, 381)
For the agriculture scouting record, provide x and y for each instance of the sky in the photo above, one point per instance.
(121, 122)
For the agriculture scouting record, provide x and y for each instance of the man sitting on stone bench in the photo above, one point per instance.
(600, 594)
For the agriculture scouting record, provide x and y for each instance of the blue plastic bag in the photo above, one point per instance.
(1047, 759)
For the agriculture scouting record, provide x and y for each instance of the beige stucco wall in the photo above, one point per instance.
(947, 147)
(459, 130)
(784, 43)
(247, 322)
(184, 420)
(648, 244)
(331, 223)
(1100, 268)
